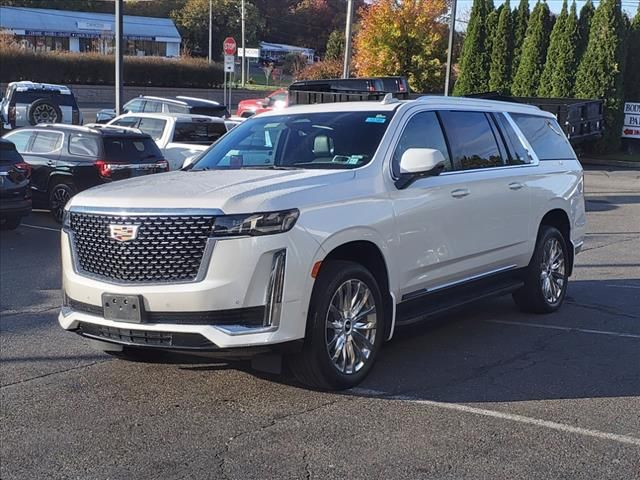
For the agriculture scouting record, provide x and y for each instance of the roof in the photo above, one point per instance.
(434, 101)
(178, 117)
(182, 100)
(99, 129)
(85, 24)
(281, 47)
(25, 85)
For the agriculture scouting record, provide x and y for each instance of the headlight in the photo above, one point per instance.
(254, 224)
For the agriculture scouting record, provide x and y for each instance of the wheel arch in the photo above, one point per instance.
(559, 219)
(370, 256)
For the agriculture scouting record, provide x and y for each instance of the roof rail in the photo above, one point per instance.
(101, 126)
(198, 99)
(83, 128)
(163, 99)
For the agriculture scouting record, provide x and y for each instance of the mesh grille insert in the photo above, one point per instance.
(166, 248)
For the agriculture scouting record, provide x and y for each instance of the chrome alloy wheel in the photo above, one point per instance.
(351, 326)
(45, 113)
(59, 198)
(552, 274)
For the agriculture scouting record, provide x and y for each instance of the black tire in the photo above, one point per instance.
(313, 366)
(10, 223)
(58, 192)
(532, 297)
(44, 111)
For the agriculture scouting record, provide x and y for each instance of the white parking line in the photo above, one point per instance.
(622, 286)
(41, 228)
(566, 329)
(563, 427)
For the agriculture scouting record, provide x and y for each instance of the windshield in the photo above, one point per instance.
(329, 140)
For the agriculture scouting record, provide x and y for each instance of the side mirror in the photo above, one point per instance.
(419, 163)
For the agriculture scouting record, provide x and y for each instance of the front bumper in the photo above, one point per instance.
(236, 285)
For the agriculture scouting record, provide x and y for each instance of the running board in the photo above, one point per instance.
(428, 305)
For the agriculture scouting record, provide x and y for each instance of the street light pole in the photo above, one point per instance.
(118, 52)
(210, 28)
(347, 40)
(244, 52)
(452, 29)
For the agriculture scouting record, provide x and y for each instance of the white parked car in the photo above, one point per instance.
(317, 232)
(180, 136)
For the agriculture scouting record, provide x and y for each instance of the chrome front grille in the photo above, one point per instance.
(167, 248)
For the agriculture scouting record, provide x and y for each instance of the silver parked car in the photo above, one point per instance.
(28, 103)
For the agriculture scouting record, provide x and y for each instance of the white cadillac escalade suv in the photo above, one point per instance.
(317, 232)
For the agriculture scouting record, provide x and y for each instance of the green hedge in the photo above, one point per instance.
(96, 69)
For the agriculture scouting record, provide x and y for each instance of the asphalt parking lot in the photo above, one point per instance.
(487, 392)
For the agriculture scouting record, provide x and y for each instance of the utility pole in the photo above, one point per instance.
(118, 52)
(244, 52)
(347, 40)
(210, 28)
(452, 30)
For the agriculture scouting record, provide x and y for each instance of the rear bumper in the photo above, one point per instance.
(15, 208)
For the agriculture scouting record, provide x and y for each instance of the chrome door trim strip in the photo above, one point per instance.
(425, 291)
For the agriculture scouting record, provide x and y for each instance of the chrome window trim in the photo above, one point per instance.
(523, 140)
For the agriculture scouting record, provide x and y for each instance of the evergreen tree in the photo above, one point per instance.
(501, 52)
(632, 71)
(553, 52)
(534, 52)
(335, 46)
(564, 73)
(600, 70)
(520, 22)
(584, 25)
(492, 25)
(474, 65)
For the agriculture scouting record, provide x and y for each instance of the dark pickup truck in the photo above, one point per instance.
(581, 120)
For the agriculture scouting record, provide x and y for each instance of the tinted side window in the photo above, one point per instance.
(545, 136)
(131, 149)
(173, 108)
(473, 144)
(126, 122)
(422, 131)
(84, 145)
(21, 139)
(152, 127)
(46, 142)
(134, 106)
(518, 155)
(152, 106)
(198, 133)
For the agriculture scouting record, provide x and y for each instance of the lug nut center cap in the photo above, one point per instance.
(347, 326)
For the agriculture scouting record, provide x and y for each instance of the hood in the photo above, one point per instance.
(251, 102)
(232, 191)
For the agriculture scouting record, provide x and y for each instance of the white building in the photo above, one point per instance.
(42, 29)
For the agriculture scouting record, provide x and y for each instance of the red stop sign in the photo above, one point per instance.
(229, 46)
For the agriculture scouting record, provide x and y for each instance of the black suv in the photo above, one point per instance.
(180, 104)
(68, 159)
(15, 195)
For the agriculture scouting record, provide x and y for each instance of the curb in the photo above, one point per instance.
(609, 163)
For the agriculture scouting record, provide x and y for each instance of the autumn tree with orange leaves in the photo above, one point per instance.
(403, 38)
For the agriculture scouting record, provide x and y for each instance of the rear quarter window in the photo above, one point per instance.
(131, 149)
(198, 133)
(84, 145)
(545, 136)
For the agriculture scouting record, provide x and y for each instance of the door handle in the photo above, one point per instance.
(515, 186)
(50, 163)
(460, 192)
